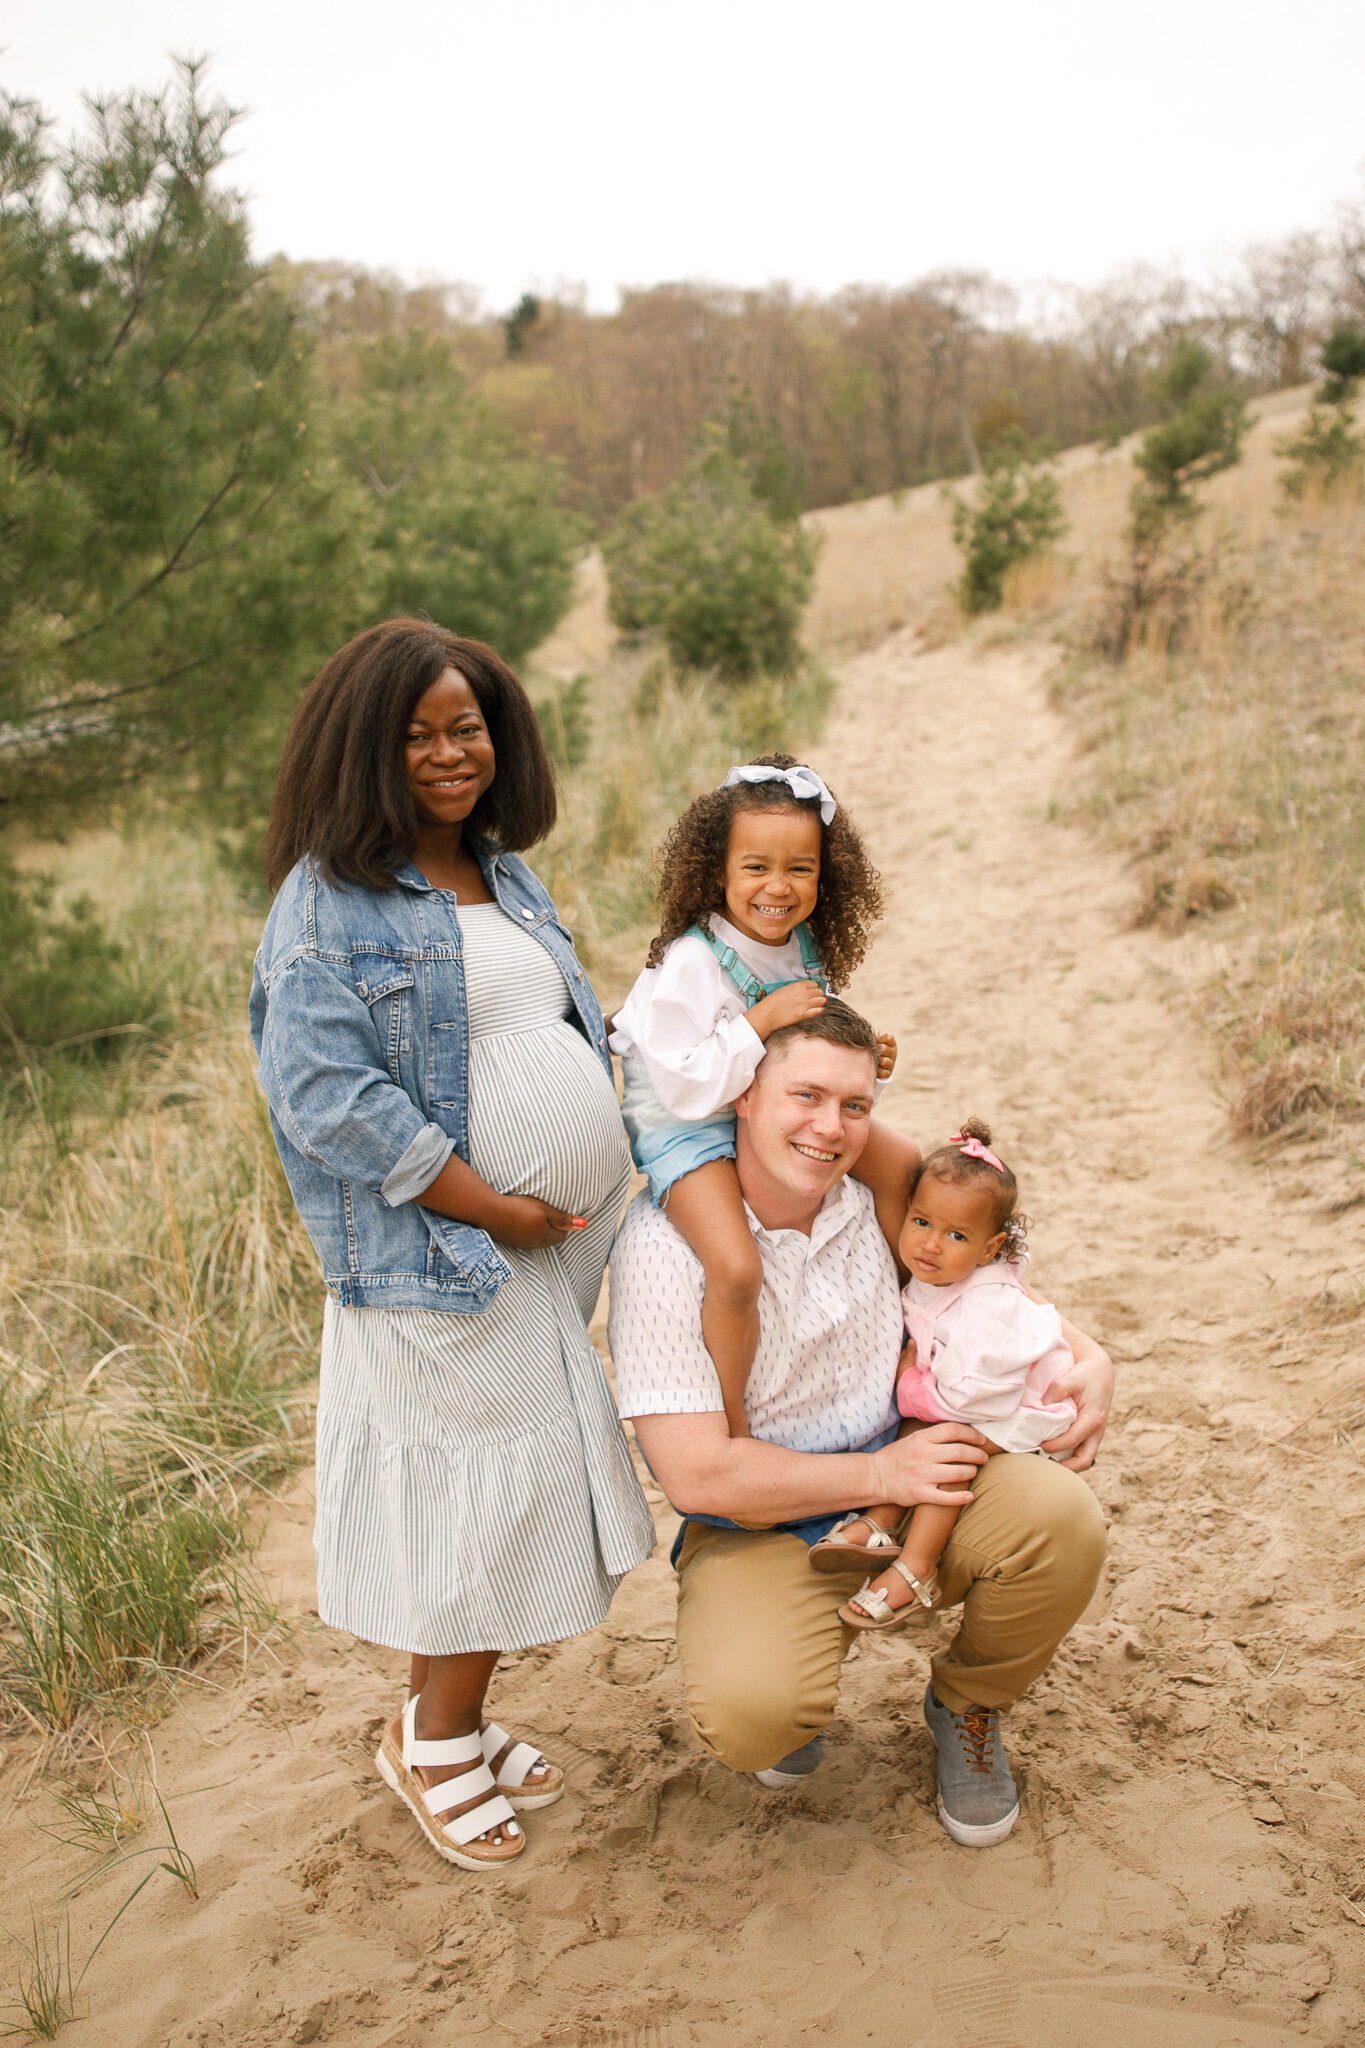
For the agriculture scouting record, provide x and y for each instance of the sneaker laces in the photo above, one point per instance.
(976, 1730)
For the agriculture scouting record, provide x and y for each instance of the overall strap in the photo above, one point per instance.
(746, 981)
(815, 970)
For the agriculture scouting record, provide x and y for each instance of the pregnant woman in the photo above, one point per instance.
(440, 1092)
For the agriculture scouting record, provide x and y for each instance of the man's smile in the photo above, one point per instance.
(814, 1152)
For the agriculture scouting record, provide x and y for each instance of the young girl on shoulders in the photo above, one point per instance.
(767, 901)
(979, 1350)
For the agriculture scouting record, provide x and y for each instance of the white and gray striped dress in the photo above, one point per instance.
(474, 1488)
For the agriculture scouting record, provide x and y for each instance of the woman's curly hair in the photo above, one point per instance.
(959, 1169)
(691, 867)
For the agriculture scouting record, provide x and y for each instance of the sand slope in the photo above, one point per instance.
(1189, 1853)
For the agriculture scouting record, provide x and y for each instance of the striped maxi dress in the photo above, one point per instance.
(474, 1488)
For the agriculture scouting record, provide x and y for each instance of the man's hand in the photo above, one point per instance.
(931, 1467)
(886, 1055)
(789, 1005)
(1090, 1383)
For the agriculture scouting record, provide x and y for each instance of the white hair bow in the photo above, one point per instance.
(802, 782)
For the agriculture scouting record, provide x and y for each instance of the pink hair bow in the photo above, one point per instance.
(972, 1148)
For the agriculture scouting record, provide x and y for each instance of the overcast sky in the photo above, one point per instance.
(520, 143)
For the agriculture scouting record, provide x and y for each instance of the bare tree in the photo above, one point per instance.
(968, 301)
(1279, 302)
(1348, 258)
(1121, 330)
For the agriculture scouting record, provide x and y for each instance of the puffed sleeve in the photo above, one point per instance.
(323, 1071)
(685, 1020)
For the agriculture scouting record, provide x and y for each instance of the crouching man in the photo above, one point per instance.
(759, 1638)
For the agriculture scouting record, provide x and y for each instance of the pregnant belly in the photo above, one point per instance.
(543, 1118)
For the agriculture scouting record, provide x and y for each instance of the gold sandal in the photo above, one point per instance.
(881, 1615)
(834, 1552)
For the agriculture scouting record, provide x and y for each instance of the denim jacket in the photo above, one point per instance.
(358, 1018)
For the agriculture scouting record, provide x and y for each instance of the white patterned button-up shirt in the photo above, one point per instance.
(829, 1326)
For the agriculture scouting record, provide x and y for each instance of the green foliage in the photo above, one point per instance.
(47, 1982)
(777, 473)
(706, 565)
(67, 985)
(1205, 419)
(519, 322)
(775, 717)
(1343, 359)
(103, 1569)
(173, 551)
(1016, 513)
(463, 532)
(1326, 456)
(566, 721)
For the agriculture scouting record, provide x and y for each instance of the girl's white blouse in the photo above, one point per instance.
(685, 1020)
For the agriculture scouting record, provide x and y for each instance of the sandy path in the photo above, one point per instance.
(1188, 1853)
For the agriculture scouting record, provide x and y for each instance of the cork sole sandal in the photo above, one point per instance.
(513, 1776)
(881, 1615)
(400, 1755)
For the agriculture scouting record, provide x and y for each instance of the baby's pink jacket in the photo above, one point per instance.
(985, 1353)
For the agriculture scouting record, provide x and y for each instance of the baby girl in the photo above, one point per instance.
(981, 1350)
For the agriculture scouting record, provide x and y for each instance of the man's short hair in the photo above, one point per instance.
(837, 1024)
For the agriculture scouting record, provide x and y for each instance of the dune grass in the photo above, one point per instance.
(1229, 758)
(158, 1318)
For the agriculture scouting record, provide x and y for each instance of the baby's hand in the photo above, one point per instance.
(886, 1055)
(789, 1005)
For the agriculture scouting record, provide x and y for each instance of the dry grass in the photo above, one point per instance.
(889, 562)
(1231, 763)
(158, 1322)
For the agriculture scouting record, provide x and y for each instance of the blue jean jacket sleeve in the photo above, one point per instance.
(323, 1072)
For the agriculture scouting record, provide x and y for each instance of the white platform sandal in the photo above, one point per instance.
(457, 1839)
(516, 1768)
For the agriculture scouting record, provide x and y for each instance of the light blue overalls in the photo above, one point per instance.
(663, 1148)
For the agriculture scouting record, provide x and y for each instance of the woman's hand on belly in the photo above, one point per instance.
(526, 1224)
(522, 1222)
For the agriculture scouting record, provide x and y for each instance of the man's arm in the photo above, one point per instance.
(1090, 1383)
(706, 1471)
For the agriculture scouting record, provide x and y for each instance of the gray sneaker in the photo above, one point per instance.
(790, 1770)
(977, 1800)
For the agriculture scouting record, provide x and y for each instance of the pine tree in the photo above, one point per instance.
(707, 566)
(1016, 513)
(175, 557)
(464, 531)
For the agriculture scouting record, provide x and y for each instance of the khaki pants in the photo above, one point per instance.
(761, 1644)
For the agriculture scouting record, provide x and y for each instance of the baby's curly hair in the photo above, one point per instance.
(948, 1162)
(691, 868)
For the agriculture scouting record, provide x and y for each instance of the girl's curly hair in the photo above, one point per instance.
(691, 868)
(948, 1163)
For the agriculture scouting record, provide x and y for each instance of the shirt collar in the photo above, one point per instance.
(839, 1207)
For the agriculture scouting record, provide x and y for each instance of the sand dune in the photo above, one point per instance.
(1188, 1860)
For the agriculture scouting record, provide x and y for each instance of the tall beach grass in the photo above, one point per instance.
(1229, 759)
